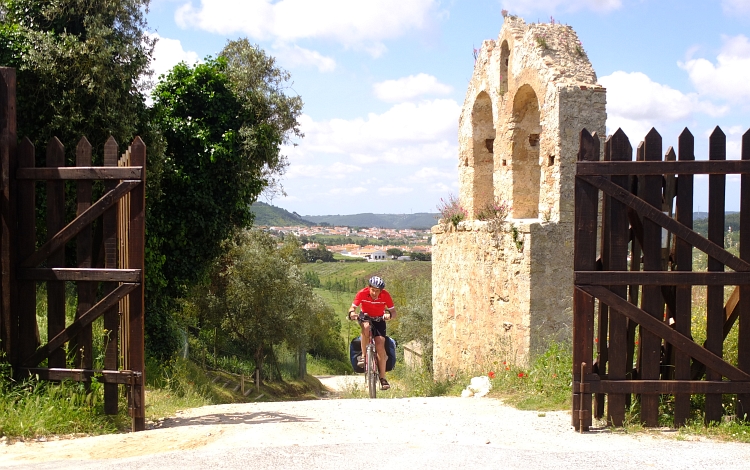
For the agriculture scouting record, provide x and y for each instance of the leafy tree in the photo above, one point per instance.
(223, 122)
(259, 298)
(394, 252)
(320, 253)
(416, 256)
(81, 67)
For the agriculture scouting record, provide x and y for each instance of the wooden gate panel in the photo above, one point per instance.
(647, 207)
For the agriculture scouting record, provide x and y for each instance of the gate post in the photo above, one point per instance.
(8, 163)
(136, 253)
(584, 259)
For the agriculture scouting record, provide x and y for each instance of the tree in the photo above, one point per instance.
(320, 253)
(394, 252)
(223, 122)
(259, 298)
(81, 69)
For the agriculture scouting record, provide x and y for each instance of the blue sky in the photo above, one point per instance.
(383, 81)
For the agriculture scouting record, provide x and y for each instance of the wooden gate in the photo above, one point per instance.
(100, 289)
(634, 280)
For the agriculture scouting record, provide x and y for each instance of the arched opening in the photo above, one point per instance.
(526, 167)
(504, 67)
(483, 132)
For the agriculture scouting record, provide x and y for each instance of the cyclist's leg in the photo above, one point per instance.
(379, 332)
(382, 356)
(365, 338)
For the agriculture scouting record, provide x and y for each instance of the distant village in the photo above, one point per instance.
(417, 241)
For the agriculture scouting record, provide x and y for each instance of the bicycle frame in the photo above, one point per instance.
(372, 373)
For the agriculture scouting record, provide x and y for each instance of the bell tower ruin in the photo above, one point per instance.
(502, 288)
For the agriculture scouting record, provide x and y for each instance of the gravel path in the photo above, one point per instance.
(414, 433)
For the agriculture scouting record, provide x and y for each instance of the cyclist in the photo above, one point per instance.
(374, 301)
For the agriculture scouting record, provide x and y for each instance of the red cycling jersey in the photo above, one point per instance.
(374, 308)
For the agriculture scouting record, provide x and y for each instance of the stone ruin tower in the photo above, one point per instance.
(503, 288)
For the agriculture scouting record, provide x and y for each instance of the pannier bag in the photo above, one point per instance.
(355, 350)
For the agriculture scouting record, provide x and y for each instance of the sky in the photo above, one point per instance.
(383, 81)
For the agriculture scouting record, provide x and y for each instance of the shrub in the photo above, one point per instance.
(452, 210)
(496, 210)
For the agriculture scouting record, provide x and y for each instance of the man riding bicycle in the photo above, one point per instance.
(374, 300)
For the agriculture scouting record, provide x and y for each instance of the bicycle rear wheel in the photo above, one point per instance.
(372, 372)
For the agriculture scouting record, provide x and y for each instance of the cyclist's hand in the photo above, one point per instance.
(352, 315)
(386, 316)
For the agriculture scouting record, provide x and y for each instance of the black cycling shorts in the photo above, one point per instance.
(377, 328)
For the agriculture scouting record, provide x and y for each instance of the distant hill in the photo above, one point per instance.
(420, 220)
(266, 214)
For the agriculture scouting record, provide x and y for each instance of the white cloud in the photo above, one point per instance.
(408, 88)
(407, 133)
(546, 6)
(295, 56)
(351, 23)
(168, 53)
(728, 78)
(734, 7)
(636, 103)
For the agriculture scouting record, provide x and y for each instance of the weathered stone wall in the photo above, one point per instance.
(503, 289)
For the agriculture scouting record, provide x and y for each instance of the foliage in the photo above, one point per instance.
(394, 252)
(257, 296)
(415, 315)
(318, 253)
(495, 210)
(223, 121)
(451, 210)
(36, 408)
(416, 256)
(80, 68)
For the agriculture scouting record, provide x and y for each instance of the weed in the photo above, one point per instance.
(517, 237)
(452, 210)
(495, 210)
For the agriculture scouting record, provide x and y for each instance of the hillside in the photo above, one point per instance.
(266, 214)
(420, 220)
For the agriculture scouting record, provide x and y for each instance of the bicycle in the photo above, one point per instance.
(372, 373)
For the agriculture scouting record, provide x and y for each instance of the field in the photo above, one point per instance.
(340, 281)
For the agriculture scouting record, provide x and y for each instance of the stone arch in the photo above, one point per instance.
(483, 131)
(504, 67)
(526, 168)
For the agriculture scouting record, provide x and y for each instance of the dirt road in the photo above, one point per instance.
(414, 433)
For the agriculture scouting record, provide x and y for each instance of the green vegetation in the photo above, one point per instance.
(268, 215)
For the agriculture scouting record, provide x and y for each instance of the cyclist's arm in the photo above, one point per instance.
(392, 312)
(352, 309)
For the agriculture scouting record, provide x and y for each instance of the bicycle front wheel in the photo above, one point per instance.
(372, 372)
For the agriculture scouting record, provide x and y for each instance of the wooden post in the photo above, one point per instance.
(136, 254)
(587, 203)
(602, 351)
(715, 294)
(111, 316)
(302, 363)
(620, 150)
(652, 299)
(28, 329)
(743, 341)
(9, 328)
(82, 344)
(684, 262)
(55, 222)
